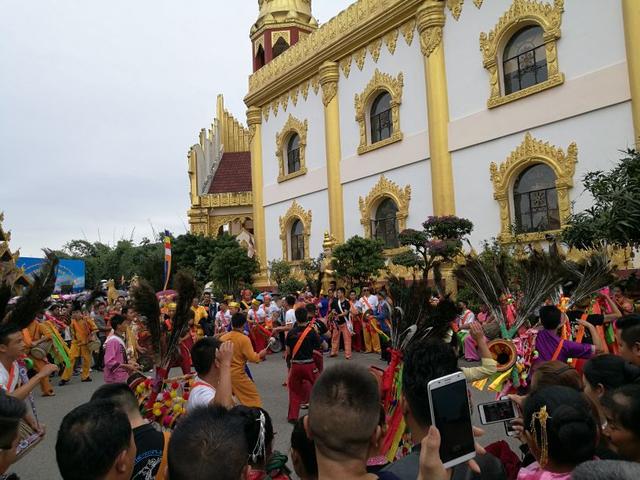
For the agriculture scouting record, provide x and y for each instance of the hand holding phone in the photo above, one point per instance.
(451, 415)
(496, 412)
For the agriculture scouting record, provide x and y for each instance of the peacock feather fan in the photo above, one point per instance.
(145, 303)
(185, 286)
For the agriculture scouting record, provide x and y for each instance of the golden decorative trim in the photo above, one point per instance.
(329, 76)
(305, 90)
(408, 31)
(382, 190)
(345, 33)
(216, 222)
(478, 3)
(315, 84)
(345, 65)
(257, 44)
(229, 199)
(295, 212)
(374, 49)
(294, 96)
(455, 6)
(391, 40)
(283, 34)
(360, 56)
(532, 152)
(430, 22)
(520, 14)
(292, 125)
(381, 82)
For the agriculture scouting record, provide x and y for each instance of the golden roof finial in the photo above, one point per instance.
(285, 11)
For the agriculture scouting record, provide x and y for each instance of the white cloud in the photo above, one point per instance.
(99, 103)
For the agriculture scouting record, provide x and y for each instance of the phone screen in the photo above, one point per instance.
(453, 420)
(498, 411)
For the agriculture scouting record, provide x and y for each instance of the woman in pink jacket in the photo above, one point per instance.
(117, 367)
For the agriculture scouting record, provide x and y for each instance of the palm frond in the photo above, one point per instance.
(145, 303)
(32, 301)
(185, 286)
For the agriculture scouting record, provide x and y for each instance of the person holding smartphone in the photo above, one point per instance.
(423, 363)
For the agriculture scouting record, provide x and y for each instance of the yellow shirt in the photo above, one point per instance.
(82, 329)
(242, 351)
(200, 312)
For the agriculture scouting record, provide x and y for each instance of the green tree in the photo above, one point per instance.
(614, 216)
(358, 260)
(231, 268)
(439, 241)
(290, 286)
(312, 272)
(280, 270)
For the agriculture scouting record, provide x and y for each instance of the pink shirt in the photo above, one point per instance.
(535, 472)
(114, 356)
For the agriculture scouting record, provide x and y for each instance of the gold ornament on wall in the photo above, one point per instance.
(374, 49)
(382, 190)
(345, 65)
(408, 31)
(381, 82)
(295, 212)
(455, 6)
(521, 14)
(532, 152)
(391, 40)
(430, 21)
(291, 127)
(360, 57)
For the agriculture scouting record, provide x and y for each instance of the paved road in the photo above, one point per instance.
(40, 464)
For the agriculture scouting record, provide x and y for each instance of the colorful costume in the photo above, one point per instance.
(302, 342)
(115, 355)
(32, 335)
(81, 331)
(243, 388)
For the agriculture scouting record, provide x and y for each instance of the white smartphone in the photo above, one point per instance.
(508, 428)
(451, 414)
(496, 412)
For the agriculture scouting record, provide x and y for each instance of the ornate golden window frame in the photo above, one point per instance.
(504, 176)
(293, 125)
(520, 14)
(382, 190)
(381, 82)
(295, 212)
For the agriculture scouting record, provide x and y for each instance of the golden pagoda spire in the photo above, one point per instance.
(274, 12)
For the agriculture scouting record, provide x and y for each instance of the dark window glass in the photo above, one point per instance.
(293, 154)
(297, 241)
(381, 121)
(385, 224)
(280, 46)
(260, 57)
(536, 200)
(524, 62)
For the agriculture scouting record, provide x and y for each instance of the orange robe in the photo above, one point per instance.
(31, 335)
(243, 387)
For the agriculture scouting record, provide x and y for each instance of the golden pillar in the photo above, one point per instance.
(329, 76)
(430, 22)
(631, 16)
(254, 121)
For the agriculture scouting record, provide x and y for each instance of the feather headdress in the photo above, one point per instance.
(185, 286)
(145, 303)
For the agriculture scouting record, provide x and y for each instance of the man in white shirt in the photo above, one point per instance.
(223, 318)
(212, 361)
(270, 310)
(369, 300)
(11, 349)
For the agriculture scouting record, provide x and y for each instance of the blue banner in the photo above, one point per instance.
(70, 273)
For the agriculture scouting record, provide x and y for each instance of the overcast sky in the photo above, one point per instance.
(100, 101)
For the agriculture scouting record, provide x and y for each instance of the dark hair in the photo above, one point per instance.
(342, 289)
(203, 354)
(606, 470)
(311, 308)
(118, 393)
(117, 320)
(211, 438)
(550, 316)
(301, 315)
(90, 439)
(611, 371)
(305, 448)
(238, 320)
(425, 361)
(624, 404)
(11, 411)
(125, 310)
(291, 300)
(570, 424)
(629, 326)
(6, 330)
(252, 431)
(344, 411)
(556, 373)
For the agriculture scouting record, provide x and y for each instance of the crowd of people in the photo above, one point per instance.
(579, 417)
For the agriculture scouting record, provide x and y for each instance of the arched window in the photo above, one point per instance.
(293, 154)
(381, 121)
(535, 199)
(384, 225)
(297, 241)
(524, 60)
(280, 46)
